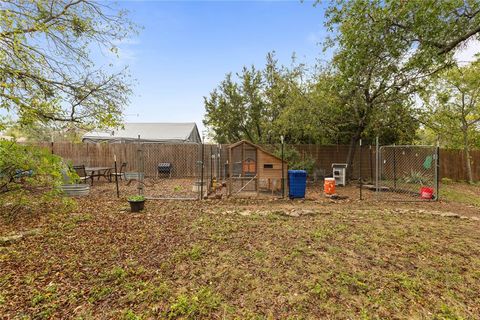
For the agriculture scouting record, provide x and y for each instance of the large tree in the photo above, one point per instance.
(386, 49)
(453, 109)
(261, 105)
(46, 68)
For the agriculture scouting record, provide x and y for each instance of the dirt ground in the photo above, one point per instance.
(457, 198)
(316, 258)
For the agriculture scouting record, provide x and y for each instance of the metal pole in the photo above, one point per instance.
(116, 176)
(394, 168)
(437, 172)
(219, 161)
(377, 156)
(360, 169)
(201, 175)
(140, 168)
(283, 171)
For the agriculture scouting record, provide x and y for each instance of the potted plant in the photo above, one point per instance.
(137, 203)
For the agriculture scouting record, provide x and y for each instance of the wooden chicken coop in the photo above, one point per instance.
(253, 170)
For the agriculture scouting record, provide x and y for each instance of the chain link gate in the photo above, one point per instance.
(407, 173)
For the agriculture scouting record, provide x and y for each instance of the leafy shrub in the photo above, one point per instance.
(29, 170)
(294, 159)
(136, 198)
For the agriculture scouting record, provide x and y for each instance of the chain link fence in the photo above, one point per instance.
(407, 173)
(180, 171)
(168, 171)
(198, 171)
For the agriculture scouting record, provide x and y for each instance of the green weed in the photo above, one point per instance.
(99, 293)
(194, 253)
(446, 313)
(196, 305)
(130, 315)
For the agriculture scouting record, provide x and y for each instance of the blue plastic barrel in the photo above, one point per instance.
(297, 183)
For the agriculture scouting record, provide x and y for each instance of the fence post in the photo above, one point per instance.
(202, 168)
(116, 175)
(360, 169)
(283, 170)
(377, 157)
(394, 168)
(437, 171)
(140, 167)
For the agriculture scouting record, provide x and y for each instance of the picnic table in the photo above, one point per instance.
(99, 172)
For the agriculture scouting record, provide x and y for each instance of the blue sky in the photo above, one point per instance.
(187, 47)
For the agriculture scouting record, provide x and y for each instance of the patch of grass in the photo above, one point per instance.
(462, 193)
(116, 274)
(259, 254)
(79, 218)
(354, 282)
(99, 293)
(405, 282)
(360, 260)
(447, 313)
(46, 296)
(160, 291)
(45, 302)
(321, 290)
(130, 315)
(197, 305)
(194, 253)
(141, 291)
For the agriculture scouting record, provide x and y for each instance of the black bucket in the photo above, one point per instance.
(137, 206)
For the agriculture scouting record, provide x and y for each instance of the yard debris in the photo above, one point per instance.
(450, 215)
(336, 197)
(247, 254)
(6, 240)
(299, 212)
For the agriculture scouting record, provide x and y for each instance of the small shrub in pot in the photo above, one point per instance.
(137, 203)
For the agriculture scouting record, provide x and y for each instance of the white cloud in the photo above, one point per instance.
(468, 52)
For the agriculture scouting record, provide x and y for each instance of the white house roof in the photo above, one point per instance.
(148, 132)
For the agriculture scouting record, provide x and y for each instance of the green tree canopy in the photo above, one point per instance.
(262, 104)
(452, 105)
(46, 69)
(386, 50)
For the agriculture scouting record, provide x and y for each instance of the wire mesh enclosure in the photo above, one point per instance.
(407, 173)
(170, 171)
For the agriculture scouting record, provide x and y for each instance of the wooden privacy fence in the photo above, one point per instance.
(185, 157)
(453, 164)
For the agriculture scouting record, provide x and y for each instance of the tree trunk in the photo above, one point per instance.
(351, 150)
(466, 151)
